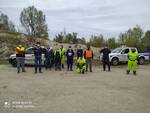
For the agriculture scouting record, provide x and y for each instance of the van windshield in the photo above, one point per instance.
(117, 50)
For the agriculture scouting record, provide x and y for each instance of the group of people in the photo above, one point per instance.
(55, 58)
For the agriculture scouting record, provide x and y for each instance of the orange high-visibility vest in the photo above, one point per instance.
(88, 53)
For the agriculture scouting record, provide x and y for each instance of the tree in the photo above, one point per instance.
(132, 37)
(69, 38)
(112, 43)
(6, 24)
(122, 38)
(146, 40)
(59, 38)
(97, 41)
(34, 22)
(81, 40)
(75, 39)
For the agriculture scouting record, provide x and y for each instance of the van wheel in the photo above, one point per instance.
(141, 61)
(115, 61)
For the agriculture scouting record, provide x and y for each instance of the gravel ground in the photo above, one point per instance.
(68, 92)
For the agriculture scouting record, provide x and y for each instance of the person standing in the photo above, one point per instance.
(79, 52)
(20, 57)
(62, 56)
(70, 56)
(38, 57)
(57, 57)
(88, 54)
(51, 57)
(132, 61)
(105, 58)
(47, 58)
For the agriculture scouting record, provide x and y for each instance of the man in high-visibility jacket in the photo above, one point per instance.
(81, 65)
(132, 61)
(88, 54)
(62, 56)
(20, 57)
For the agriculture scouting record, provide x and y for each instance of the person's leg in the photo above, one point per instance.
(53, 63)
(56, 65)
(36, 65)
(46, 63)
(59, 64)
(68, 64)
(134, 67)
(71, 66)
(23, 65)
(129, 66)
(108, 63)
(18, 65)
(87, 62)
(40, 65)
(104, 66)
(90, 65)
(50, 65)
(62, 61)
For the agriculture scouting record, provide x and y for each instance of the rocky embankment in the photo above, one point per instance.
(9, 41)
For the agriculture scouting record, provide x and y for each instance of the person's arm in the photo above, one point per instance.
(101, 51)
(109, 51)
(128, 56)
(85, 54)
(81, 52)
(73, 53)
(92, 54)
(67, 53)
(77, 52)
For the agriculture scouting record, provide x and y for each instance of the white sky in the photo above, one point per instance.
(86, 17)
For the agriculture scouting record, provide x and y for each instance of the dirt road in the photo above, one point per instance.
(67, 92)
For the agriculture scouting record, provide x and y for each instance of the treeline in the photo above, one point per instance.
(70, 38)
(133, 37)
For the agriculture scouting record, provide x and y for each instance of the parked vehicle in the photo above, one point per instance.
(121, 55)
(29, 58)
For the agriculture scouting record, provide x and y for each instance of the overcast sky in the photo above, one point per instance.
(86, 17)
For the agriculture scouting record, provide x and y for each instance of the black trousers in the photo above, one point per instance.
(69, 64)
(57, 64)
(38, 64)
(106, 62)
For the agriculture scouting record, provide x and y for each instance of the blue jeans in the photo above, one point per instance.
(20, 63)
(38, 64)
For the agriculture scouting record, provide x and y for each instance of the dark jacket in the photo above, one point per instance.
(70, 54)
(49, 54)
(38, 52)
(79, 53)
(105, 52)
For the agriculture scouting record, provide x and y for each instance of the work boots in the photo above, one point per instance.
(128, 72)
(134, 72)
